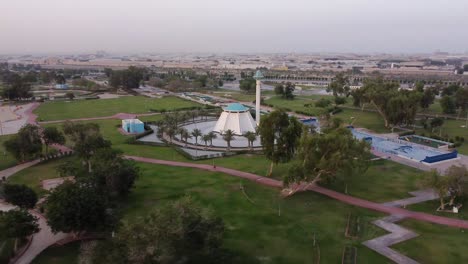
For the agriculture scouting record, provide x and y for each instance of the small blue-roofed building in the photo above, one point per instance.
(133, 126)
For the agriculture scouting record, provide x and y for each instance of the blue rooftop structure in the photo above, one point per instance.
(236, 107)
(258, 75)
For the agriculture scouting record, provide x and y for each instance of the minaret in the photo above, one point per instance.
(258, 77)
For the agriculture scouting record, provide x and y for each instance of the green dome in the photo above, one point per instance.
(258, 75)
(236, 107)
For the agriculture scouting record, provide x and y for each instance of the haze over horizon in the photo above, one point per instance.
(220, 26)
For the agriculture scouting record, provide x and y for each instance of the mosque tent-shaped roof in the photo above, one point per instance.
(237, 118)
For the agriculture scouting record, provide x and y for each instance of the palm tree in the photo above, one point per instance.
(228, 136)
(181, 131)
(196, 133)
(186, 135)
(212, 136)
(206, 138)
(170, 132)
(251, 137)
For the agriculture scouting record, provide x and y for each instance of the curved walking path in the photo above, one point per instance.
(41, 240)
(324, 191)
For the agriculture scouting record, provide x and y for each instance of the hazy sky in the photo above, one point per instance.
(58, 26)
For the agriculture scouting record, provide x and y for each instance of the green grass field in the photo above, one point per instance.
(61, 110)
(255, 228)
(436, 244)
(33, 176)
(452, 128)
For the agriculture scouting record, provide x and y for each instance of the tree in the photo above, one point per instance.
(428, 97)
(402, 108)
(51, 135)
(170, 132)
(196, 133)
(86, 138)
(17, 224)
(279, 89)
(450, 90)
(323, 103)
(228, 136)
(212, 136)
(323, 157)
(340, 100)
(461, 99)
(419, 86)
(112, 173)
(181, 232)
(288, 91)
(251, 137)
(437, 122)
(457, 177)
(20, 195)
(279, 135)
(395, 106)
(78, 207)
(70, 95)
(339, 86)
(16, 88)
(439, 184)
(248, 85)
(60, 79)
(206, 138)
(186, 135)
(26, 144)
(127, 79)
(448, 105)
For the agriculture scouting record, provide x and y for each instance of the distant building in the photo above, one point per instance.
(61, 86)
(133, 126)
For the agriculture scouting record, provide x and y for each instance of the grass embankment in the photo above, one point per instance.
(61, 110)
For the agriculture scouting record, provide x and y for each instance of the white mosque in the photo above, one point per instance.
(237, 117)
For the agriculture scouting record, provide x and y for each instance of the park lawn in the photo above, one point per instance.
(436, 243)
(297, 104)
(365, 119)
(66, 254)
(33, 176)
(253, 228)
(431, 206)
(452, 128)
(384, 181)
(6, 159)
(62, 110)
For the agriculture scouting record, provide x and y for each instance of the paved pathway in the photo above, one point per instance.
(12, 170)
(397, 234)
(327, 192)
(41, 240)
